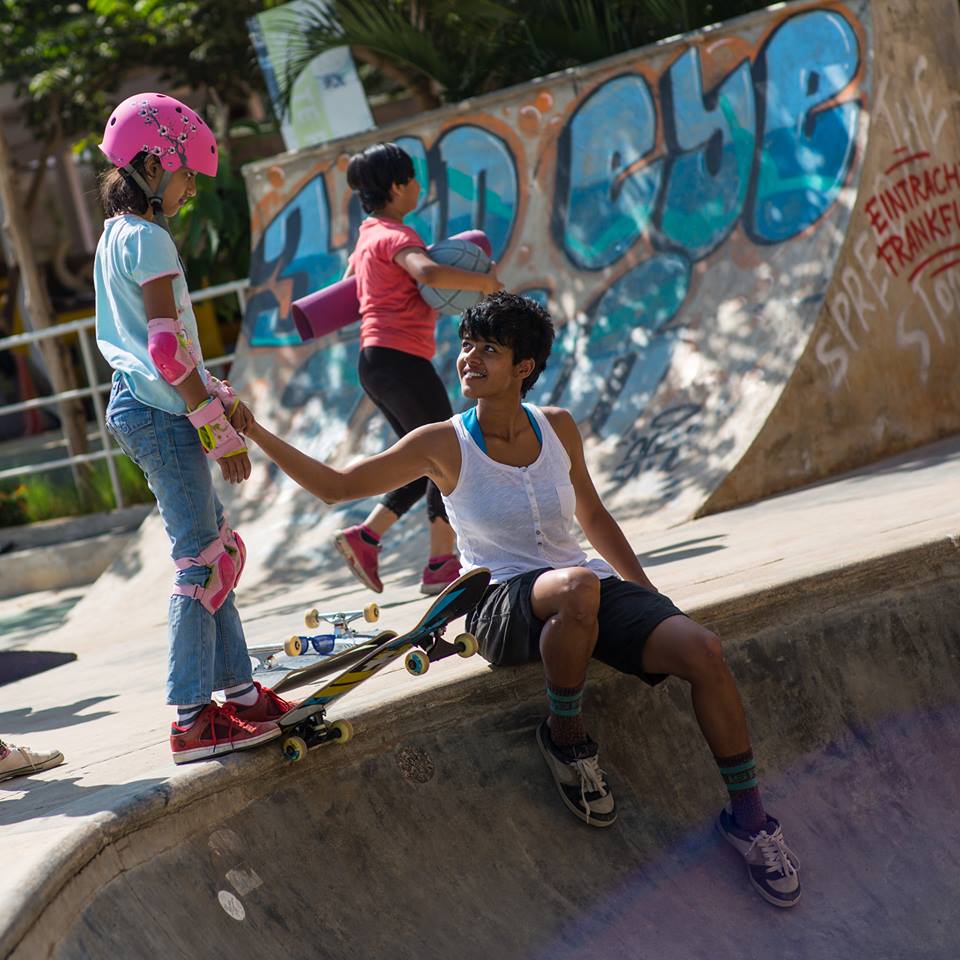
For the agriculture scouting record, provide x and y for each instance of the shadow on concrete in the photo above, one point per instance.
(17, 664)
(681, 551)
(42, 618)
(38, 798)
(27, 720)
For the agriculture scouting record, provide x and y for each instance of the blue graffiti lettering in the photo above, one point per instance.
(711, 154)
(289, 252)
(605, 194)
(806, 150)
(476, 186)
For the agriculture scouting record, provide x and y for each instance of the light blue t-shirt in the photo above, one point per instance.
(131, 252)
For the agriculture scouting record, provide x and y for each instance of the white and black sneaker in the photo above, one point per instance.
(582, 784)
(773, 868)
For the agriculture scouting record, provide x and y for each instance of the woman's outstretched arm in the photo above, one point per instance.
(429, 451)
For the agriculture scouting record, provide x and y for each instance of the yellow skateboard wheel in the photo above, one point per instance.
(416, 662)
(294, 749)
(466, 644)
(312, 618)
(341, 731)
(371, 612)
(293, 647)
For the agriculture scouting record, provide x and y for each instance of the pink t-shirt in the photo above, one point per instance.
(392, 312)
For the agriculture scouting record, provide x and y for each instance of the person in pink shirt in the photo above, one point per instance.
(397, 344)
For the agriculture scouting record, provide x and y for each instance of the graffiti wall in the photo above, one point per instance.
(680, 209)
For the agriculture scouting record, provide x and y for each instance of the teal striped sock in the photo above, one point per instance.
(566, 722)
(740, 776)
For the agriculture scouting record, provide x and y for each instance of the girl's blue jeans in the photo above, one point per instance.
(207, 651)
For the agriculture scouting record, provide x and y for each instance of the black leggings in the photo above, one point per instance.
(409, 393)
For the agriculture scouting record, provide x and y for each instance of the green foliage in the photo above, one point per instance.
(458, 50)
(62, 60)
(445, 46)
(213, 229)
(48, 496)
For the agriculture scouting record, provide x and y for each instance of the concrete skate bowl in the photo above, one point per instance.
(437, 832)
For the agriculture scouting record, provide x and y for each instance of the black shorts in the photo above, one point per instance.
(508, 631)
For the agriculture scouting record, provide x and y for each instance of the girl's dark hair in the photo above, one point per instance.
(516, 322)
(118, 192)
(373, 172)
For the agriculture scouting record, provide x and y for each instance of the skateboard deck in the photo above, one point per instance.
(338, 305)
(305, 725)
(299, 677)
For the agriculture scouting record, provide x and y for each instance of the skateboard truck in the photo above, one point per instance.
(339, 621)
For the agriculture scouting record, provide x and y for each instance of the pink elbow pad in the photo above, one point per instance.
(169, 349)
(217, 436)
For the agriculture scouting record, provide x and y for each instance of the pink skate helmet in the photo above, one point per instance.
(163, 126)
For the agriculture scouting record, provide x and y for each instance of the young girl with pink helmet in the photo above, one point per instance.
(171, 417)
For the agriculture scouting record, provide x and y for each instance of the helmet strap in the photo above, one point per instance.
(154, 196)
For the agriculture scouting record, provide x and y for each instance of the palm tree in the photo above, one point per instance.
(436, 50)
(447, 50)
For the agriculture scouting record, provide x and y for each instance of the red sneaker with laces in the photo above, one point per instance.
(268, 706)
(216, 731)
(363, 557)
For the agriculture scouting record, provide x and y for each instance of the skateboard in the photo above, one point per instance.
(305, 726)
(266, 658)
(338, 305)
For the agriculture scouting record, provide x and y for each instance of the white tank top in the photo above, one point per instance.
(516, 519)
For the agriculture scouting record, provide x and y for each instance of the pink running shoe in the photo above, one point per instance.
(437, 580)
(216, 731)
(362, 557)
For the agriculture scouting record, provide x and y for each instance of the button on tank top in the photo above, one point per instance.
(516, 519)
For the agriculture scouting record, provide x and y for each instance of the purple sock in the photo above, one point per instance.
(740, 776)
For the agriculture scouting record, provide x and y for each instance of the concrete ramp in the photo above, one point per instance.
(437, 833)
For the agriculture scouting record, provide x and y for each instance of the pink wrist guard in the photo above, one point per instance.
(225, 394)
(169, 349)
(218, 438)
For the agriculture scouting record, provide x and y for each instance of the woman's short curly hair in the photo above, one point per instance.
(516, 322)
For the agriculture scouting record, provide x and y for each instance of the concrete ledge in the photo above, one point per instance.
(446, 785)
(71, 552)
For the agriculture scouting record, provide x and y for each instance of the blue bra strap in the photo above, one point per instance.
(470, 420)
(533, 423)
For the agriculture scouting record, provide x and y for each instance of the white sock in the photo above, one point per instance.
(187, 715)
(246, 694)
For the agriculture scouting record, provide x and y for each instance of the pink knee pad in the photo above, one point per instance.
(216, 588)
(169, 349)
(235, 547)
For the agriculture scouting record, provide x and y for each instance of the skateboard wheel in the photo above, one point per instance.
(312, 618)
(371, 612)
(466, 644)
(294, 749)
(341, 731)
(416, 662)
(293, 647)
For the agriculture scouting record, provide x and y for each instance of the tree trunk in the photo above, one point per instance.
(59, 368)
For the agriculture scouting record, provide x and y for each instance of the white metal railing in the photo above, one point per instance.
(96, 390)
